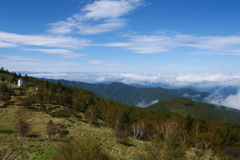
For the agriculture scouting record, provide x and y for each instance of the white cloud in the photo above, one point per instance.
(95, 61)
(201, 81)
(6, 45)
(144, 104)
(16, 58)
(232, 101)
(64, 52)
(42, 40)
(229, 45)
(223, 45)
(12, 62)
(107, 26)
(176, 80)
(153, 44)
(109, 8)
(21, 63)
(62, 27)
(98, 17)
(191, 96)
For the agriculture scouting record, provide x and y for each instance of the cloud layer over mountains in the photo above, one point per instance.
(232, 101)
(198, 81)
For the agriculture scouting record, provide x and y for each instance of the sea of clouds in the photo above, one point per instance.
(200, 81)
(232, 100)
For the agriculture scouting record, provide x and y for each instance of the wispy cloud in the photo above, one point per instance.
(16, 58)
(13, 40)
(217, 43)
(64, 52)
(12, 61)
(144, 104)
(95, 62)
(21, 63)
(7, 45)
(98, 17)
(229, 45)
(153, 44)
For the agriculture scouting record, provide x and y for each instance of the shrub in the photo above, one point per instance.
(233, 151)
(43, 108)
(22, 125)
(29, 101)
(121, 137)
(23, 128)
(169, 149)
(60, 113)
(87, 149)
(56, 128)
(3, 88)
(5, 105)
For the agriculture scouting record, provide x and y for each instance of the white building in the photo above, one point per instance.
(20, 82)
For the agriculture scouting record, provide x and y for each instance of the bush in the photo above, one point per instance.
(87, 149)
(233, 151)
(60, 113)
(121, 137)
(29, 101)
(5, 105)
(3, 88)
(23, 128)
(169, 149)
(56, 128)
(43, 108)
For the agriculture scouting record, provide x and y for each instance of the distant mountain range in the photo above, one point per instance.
(131, 95)
(183, 101)
(208, 112)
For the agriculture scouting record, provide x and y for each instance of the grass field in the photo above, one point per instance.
(37, 144)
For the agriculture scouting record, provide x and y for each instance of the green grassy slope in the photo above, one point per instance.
(36, 143)
(208, 112)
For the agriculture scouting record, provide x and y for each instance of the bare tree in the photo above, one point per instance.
(139, 129)
(91, 114)
(120, 136)
(22, 126)
(56, 128)
(51, 129)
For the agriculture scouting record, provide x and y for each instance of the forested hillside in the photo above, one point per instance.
(44, 120)
(130, 95)
(208, 112)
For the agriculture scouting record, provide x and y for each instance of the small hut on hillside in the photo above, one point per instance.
(20, 82)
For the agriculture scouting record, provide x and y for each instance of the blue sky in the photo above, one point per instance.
(195, 39)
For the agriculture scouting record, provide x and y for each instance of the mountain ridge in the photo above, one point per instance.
(206, 111)
(132, 95)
